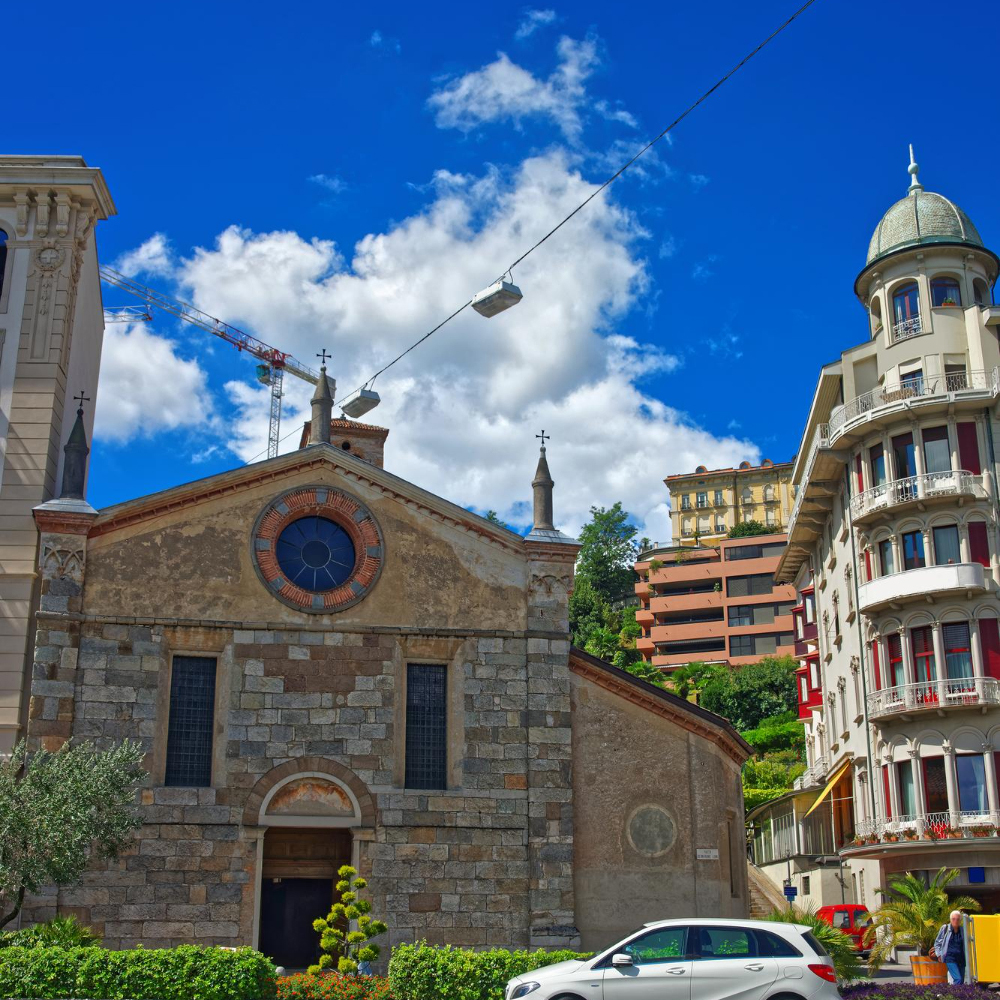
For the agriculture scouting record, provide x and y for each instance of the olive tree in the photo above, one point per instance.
(58, 808)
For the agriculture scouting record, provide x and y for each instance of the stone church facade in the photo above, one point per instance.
(326, 664)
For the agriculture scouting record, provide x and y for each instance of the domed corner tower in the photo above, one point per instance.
(929, 272)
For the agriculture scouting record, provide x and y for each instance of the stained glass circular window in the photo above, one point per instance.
(317, 548)
(315, 553)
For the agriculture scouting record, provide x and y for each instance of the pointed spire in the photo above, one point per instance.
(76, 450)
(542, 487)
(322, 405)
(914, 169)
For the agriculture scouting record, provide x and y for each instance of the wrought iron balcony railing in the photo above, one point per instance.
(931, 484)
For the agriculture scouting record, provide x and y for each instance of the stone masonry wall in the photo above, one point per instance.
(458, 866)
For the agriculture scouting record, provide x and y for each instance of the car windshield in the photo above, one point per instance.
(811, 940)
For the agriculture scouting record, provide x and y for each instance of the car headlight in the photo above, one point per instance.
(523, 990)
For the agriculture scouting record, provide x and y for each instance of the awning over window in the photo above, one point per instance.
(838, 774)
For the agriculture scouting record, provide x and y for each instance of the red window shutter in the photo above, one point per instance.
(968, 448)
(875, 666)
(989, 638)
(895, 650)
(979, 547)
(857, 469)
(888, 797)
(868, 565)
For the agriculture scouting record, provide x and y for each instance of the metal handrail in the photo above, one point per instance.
(906, 328)
(930, 484)
(946, 692)
(821, 439)
(911, 388)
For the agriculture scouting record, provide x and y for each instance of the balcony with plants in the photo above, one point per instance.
(905, 700)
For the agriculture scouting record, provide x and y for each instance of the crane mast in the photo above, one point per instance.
(274, 363)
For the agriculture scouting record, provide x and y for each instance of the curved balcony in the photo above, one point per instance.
(918, 491)
(920, 585)
(911, 394)
(934, 696)
(902, 833)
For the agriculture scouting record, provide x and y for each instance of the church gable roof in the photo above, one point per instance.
(275, 470)
(681, 712)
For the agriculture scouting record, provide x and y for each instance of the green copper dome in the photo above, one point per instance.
(921, 217)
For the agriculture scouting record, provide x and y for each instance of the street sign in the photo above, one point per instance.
(790, 892)
(707, 853)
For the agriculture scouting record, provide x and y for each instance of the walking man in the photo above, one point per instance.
(949, 947)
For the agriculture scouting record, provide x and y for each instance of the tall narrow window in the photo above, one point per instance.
(894, 648)
(876, 463)
(904, 464)
(875, 666)
(906, 308)
(968, 447)
(946, 549)
(907, 793)
(937, 450)
(935, 784)
(426, 726)
(922, 642)
(3, 257)
(885, 559)
(971, 773)
(191, 722)
(957, 650)
(945, 292)
(979, 546)
(913, 550)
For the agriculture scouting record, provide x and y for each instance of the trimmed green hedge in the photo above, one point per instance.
(185, 973)
(423, 972)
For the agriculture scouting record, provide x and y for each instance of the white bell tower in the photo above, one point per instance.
(51, 331)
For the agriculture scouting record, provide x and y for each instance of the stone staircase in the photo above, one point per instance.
(765, 896)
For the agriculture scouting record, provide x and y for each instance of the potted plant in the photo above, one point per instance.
(949, 302)
(909, 918)
(954, 833)
(891, 838)
(909, 834)
(982, 830)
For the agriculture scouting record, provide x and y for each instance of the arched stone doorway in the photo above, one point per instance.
(309, 821)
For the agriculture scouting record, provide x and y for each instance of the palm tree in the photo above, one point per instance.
(911, 915)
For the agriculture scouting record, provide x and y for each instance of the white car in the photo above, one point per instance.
(693, 960)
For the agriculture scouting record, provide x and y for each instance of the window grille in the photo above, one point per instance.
(192, 719)
(426, 726)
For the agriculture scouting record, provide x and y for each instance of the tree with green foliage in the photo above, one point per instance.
(747, 529)
(745, 695)
(350, 947)
(494, 518)
(689, 680)
(57, 808)
(607, 552)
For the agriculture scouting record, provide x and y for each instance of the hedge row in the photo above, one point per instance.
(184, 973)
(423, 972)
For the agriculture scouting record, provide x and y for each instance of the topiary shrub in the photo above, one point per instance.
(332, 986)
(346, 947)
(185, 973)
(423, 972)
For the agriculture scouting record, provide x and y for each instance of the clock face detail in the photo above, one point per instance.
(317, 549)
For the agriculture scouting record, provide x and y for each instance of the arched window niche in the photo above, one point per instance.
(875, 309)
(945, 291)
(905, 311)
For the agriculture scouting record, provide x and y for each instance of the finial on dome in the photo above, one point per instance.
(914, 169)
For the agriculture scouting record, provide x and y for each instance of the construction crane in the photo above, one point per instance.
(274, 363)
(127, 314)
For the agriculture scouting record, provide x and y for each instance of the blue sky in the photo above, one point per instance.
(343, 176)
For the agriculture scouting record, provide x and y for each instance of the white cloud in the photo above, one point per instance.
(145, 387)
(503, 91)
(335, 185)
(155, 257)
(698, 181)
(383, 43)
(532, 21)
(464, 407)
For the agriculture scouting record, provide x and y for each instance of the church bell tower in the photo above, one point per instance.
(51, 330)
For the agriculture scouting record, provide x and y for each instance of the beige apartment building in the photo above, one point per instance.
(705, 504)
(51, 331)
(893, 551)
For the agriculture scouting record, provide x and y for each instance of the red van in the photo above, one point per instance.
(851, 918)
